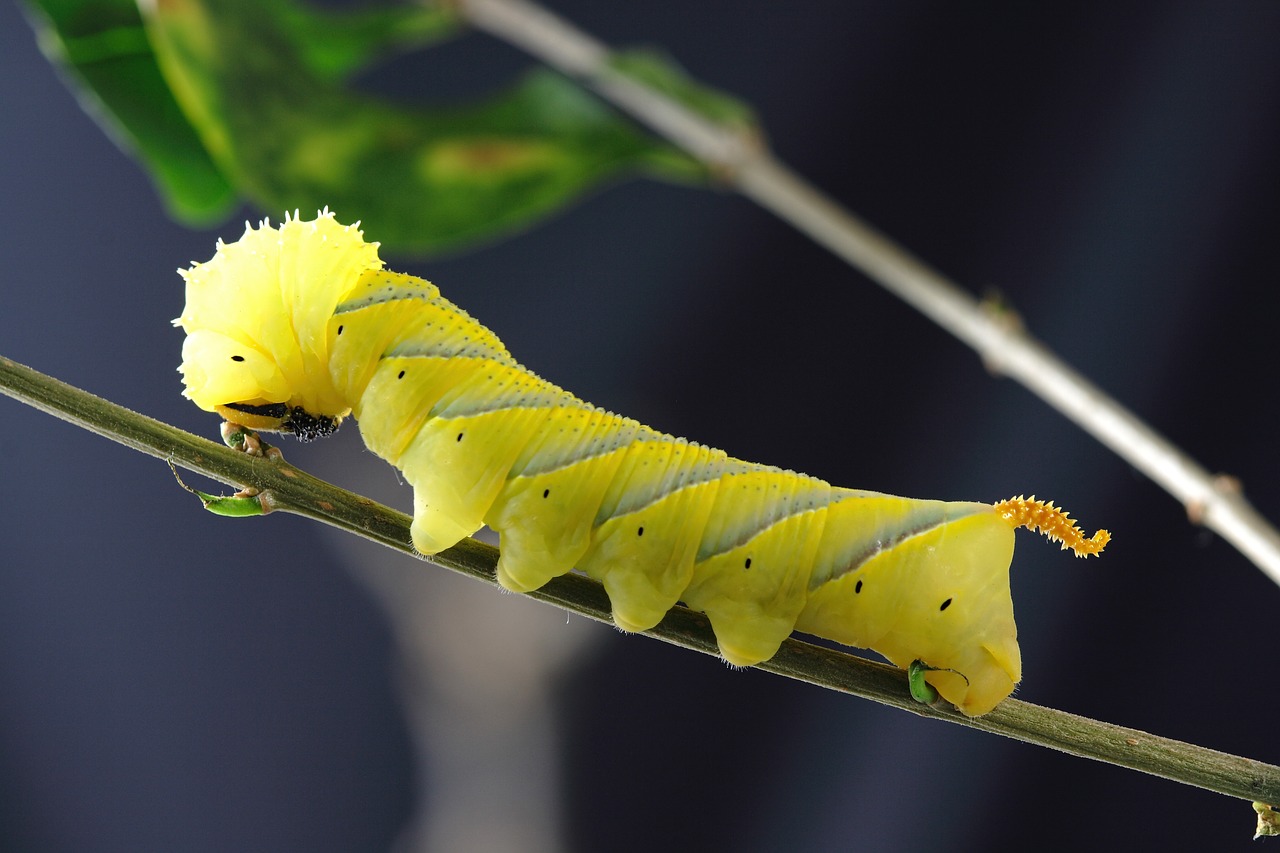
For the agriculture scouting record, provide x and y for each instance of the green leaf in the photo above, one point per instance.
(260, 81)
(334, 45)
(103, 50)
(658, 71)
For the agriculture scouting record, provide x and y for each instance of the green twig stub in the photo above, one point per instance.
(921, 690)
(233, 506)
(1268, 821)
(247, 503)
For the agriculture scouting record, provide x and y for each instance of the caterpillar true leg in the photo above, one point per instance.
(295, 328)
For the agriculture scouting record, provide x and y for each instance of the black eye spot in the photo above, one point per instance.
(401, 376)
(237, 358)
(640, 532)
(459, 436)
(546, 492)
(747, 564)
(945, 605)
(857, 588)
(340, 328)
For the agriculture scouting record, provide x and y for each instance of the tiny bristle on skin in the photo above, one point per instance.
(1054, 523)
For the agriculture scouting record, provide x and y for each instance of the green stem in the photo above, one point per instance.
(298, 492)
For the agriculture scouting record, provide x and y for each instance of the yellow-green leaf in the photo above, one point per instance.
(291, 134)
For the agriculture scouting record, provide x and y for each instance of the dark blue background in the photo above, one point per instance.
(172, 681)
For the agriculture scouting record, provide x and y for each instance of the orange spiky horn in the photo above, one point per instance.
(1053, 522)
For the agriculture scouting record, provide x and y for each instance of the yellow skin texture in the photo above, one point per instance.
(304, 315)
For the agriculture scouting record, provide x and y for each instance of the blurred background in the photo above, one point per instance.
(174, 681)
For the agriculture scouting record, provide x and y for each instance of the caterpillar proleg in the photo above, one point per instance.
(292, 329)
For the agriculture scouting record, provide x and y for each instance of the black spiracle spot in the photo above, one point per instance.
(237, 358)
(401, 376)
(459, 437)
(747, 564)
(640, 532)
(857, 588)
(945, 605)
(546, 493)
(340, 328)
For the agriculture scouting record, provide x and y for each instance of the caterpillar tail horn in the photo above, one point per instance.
(1053, 522)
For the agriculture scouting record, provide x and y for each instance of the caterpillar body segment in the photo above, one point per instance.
(295, 328)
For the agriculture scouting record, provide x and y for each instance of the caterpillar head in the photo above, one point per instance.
(256, 320)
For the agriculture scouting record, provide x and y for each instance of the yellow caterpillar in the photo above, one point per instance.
(292, 329)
